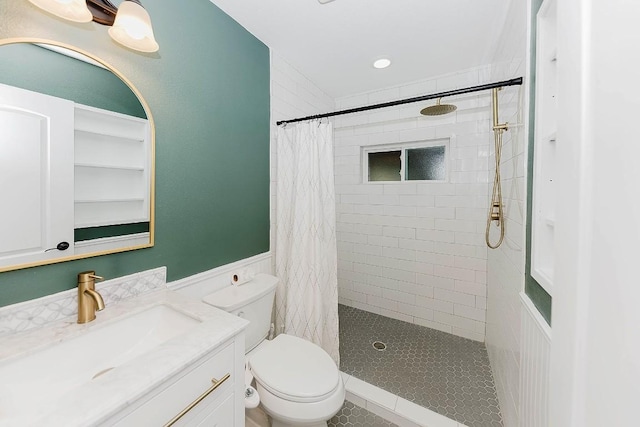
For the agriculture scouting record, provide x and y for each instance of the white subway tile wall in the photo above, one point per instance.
(292, 95)
(415, 251)
(505, 279)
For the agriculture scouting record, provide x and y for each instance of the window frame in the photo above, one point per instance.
(403, 147)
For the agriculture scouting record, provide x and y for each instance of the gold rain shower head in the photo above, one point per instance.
(438, 109)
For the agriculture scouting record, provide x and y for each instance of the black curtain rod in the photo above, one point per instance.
(512, 82)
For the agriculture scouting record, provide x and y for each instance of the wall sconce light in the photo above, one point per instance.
(130, 23)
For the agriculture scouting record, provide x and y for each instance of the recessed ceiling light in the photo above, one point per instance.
(382, 63)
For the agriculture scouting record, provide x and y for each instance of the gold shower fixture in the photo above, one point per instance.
(494, 101)
(496, 212)
(438, 109)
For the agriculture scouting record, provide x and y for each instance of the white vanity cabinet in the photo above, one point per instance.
(190, 392)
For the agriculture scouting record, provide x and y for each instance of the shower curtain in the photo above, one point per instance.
(306, 254)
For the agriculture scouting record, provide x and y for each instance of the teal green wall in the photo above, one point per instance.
(208, 91)
(540, 298)
(34, 68)
(89, 233)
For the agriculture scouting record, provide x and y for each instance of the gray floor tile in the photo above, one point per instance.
(443, 372)
(352, 415)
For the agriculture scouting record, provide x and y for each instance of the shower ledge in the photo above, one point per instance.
(392, 407)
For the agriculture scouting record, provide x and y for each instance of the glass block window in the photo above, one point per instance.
(424, 161)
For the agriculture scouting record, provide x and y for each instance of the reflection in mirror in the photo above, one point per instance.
(76, 159)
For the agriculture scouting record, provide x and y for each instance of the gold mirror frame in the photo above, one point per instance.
(152, 173)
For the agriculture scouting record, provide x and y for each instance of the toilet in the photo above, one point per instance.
(297, 381)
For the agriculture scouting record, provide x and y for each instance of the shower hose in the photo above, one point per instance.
(496, 196)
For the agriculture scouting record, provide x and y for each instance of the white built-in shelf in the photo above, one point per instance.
(116, 125)
(109, 200)
(109, 222)
(112, 168)
(544, 187)
(95, 165)
(108, 134)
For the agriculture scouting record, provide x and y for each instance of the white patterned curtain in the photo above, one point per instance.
(306, 254)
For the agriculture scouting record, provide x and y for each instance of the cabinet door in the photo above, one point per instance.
(172, 398)
(222, 416)
(36, 175)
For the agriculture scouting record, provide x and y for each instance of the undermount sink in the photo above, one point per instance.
(72, 363)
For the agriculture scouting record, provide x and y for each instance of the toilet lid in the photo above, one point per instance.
(295, 369)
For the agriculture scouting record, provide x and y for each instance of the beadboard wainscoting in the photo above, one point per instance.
(199, 285)
(535, 354)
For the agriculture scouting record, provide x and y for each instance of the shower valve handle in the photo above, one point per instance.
(495, 211)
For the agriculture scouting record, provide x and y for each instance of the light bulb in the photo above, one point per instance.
(382, 63)
(71, 10)
(132, 28)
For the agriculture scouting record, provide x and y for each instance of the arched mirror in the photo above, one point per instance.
(76, 157)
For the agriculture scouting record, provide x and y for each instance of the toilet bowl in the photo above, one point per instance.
(297, 381)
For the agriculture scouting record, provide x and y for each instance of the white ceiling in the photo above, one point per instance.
(335, 44)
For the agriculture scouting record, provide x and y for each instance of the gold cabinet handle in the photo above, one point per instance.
(216, 384)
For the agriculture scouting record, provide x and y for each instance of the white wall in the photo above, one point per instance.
(595, 379)
(292, 96)
(506, 264)
(534, 367)
(415, 251)
(202, 284)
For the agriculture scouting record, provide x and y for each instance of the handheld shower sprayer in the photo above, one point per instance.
(496, 212)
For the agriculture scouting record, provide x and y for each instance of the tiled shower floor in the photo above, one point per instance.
(352, 415)
(445, 373)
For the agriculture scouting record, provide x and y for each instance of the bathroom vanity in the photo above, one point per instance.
(158, 359)
(201, 395)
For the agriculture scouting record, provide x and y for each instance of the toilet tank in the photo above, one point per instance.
(252, 301)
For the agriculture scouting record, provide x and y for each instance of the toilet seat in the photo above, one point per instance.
(295, 370)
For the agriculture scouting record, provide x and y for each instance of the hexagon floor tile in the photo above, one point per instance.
(448, 374)
(352, 415)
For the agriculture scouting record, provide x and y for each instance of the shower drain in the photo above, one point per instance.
(379, 345)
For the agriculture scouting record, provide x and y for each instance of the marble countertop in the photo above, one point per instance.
(99, 399)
